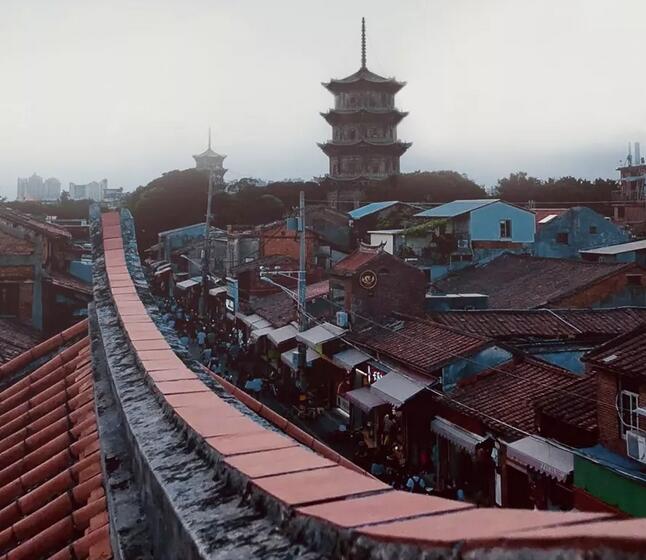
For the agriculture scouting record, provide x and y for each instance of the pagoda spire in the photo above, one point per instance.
(363, 42)
(209, 137)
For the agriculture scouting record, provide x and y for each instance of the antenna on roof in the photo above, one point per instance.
(363, 42)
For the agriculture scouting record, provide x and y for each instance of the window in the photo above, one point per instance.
(9, 300)
(563, 238)
(628, 404)
(505, 229)
(337, 293)
(593, 230)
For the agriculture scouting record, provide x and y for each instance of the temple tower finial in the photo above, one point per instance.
(363, 42)
(209, 137)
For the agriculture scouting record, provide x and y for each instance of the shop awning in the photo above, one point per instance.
(398, 388)
(350, 358)
(290, 358)
(256, 334)
(163, 270)
(320, 334)
(283, 334)
(253, 321)
(542, 456)
(186, 284)
(217, 291)
(365, 399)
(456, 435)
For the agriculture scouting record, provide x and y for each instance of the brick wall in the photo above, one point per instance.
(607, 417)
(598, 292)
(281, 241)
(400, 288)
(606, 414)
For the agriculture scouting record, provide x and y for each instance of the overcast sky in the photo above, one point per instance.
(127, 89)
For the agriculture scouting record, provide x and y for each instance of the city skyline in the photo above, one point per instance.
(493, 87)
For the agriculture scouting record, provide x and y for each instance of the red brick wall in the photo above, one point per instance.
(280, 241)
(607, 416)
(597, 292)
(402, 289)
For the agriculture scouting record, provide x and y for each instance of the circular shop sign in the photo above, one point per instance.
(368, 279)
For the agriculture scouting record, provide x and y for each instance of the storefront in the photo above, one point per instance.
(538, 474)
(463, 465)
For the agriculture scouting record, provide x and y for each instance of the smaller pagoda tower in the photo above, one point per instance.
(212, 162)
(364, 121)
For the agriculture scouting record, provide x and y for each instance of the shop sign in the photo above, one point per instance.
(368, 279)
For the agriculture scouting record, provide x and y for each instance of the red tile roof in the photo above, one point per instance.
(508, 394)
(280, 309)
(420, 344)
(355, 261)
(50, 230)
(52, 501)
(11, 245)
(16, 338)
(543, 323)
(574, 404)
(523, 282)
(625, 354)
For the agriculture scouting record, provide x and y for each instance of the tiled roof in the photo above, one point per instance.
(523, 282)
(574, 404)
(455, 208)
(543, 323)
(69, 282)
(508, 393)
(420, 344)
(50, 230)
(280, 309)
(15, 339)
(624, 354)
(354, 261)
(52, 501)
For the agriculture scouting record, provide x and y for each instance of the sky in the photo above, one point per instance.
(126, 90)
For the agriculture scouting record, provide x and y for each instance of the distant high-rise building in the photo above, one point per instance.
(52, 189)
(211, 161)
(364, 121)
(90, 191)
(30, 188)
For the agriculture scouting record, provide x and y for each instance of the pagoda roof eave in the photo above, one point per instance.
(336, 115)
(330, 148)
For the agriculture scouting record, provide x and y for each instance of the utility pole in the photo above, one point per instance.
(302, 284)
(206, 252)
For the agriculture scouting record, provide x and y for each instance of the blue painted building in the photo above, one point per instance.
(482, 229)
(574, 230)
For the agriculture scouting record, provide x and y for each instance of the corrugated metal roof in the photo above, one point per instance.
(617, 249)
(371, 208)
(455, 208)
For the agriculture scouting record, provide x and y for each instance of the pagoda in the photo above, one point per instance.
(212, 162)
(364, 121)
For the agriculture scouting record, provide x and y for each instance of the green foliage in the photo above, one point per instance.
(66, 209)
(521, 188)
(424, 228)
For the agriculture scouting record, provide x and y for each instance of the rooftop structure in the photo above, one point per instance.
(364, 121)
(523, 282)
(629, 201)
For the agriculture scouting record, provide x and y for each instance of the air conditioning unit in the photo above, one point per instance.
(342, 319)
(636, 446)
(463, 243)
